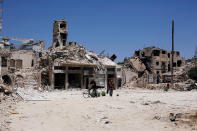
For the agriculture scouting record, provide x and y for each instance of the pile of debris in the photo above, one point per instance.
(188, 119)
(185, 86)
(7, 106)
(30, 94)
(7, 102)
(75, 53)
(5, 89)
(26, 78)
(180, 74)
(136, 64)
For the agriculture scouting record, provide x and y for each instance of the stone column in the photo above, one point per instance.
(66, 78)
(81, 73)
(52, 77)
(116, 79)
(105, 78)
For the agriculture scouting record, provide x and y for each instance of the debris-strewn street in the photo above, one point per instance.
(7, 106)
(98, 65)
(129, 109)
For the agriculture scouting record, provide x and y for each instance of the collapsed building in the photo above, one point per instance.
(18, 58)
(64, 65)
(155, 63)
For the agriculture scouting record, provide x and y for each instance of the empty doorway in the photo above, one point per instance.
(74, 80)
(59, 82)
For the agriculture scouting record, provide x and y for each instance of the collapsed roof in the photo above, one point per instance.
(75, 54)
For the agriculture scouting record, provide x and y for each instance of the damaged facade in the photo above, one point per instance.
(72, 66)
(64, 65)
(155, 63)
(18, 60)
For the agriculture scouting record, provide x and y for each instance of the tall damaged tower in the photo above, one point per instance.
(60, 34)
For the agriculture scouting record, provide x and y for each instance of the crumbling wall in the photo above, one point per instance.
(23, 59)
(136, 64)
(27, 78)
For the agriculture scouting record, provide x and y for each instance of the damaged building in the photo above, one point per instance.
(15, 59)
(155, 62)
(71, 65)
(64, 65)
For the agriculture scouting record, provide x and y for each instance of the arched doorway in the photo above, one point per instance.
(6, 80)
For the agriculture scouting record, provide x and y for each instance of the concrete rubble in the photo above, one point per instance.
(186, 119)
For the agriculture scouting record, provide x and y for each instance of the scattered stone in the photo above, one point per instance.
(178, 115)
(145, 103)
(172, 117)
(157, 117)
(108, 122)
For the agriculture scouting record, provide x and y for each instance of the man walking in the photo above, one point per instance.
(111, 87)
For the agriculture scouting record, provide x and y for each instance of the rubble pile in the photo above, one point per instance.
(30, 94)
(5, 89)
(180, 75)
(7, 104)
(188, 119)
(75, 53)
(140, 84)
(4, 52)
(136, 64)
(26, 78)
(185, 86)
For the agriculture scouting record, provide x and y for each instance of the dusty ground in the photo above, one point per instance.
(7, 105)
(134, 109)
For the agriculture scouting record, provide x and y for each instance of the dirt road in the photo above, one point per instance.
(136, 110)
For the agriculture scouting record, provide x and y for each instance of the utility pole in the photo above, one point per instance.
(195, 57)
(172, 69)
(1, 13)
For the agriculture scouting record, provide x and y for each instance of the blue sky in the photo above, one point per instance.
(116, 26)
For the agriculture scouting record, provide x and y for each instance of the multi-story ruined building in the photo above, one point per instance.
(155, 63)
(159, 60)
(15, 59)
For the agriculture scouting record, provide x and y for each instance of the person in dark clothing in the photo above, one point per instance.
(111, 87)
(168, 85)
(93, 88)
